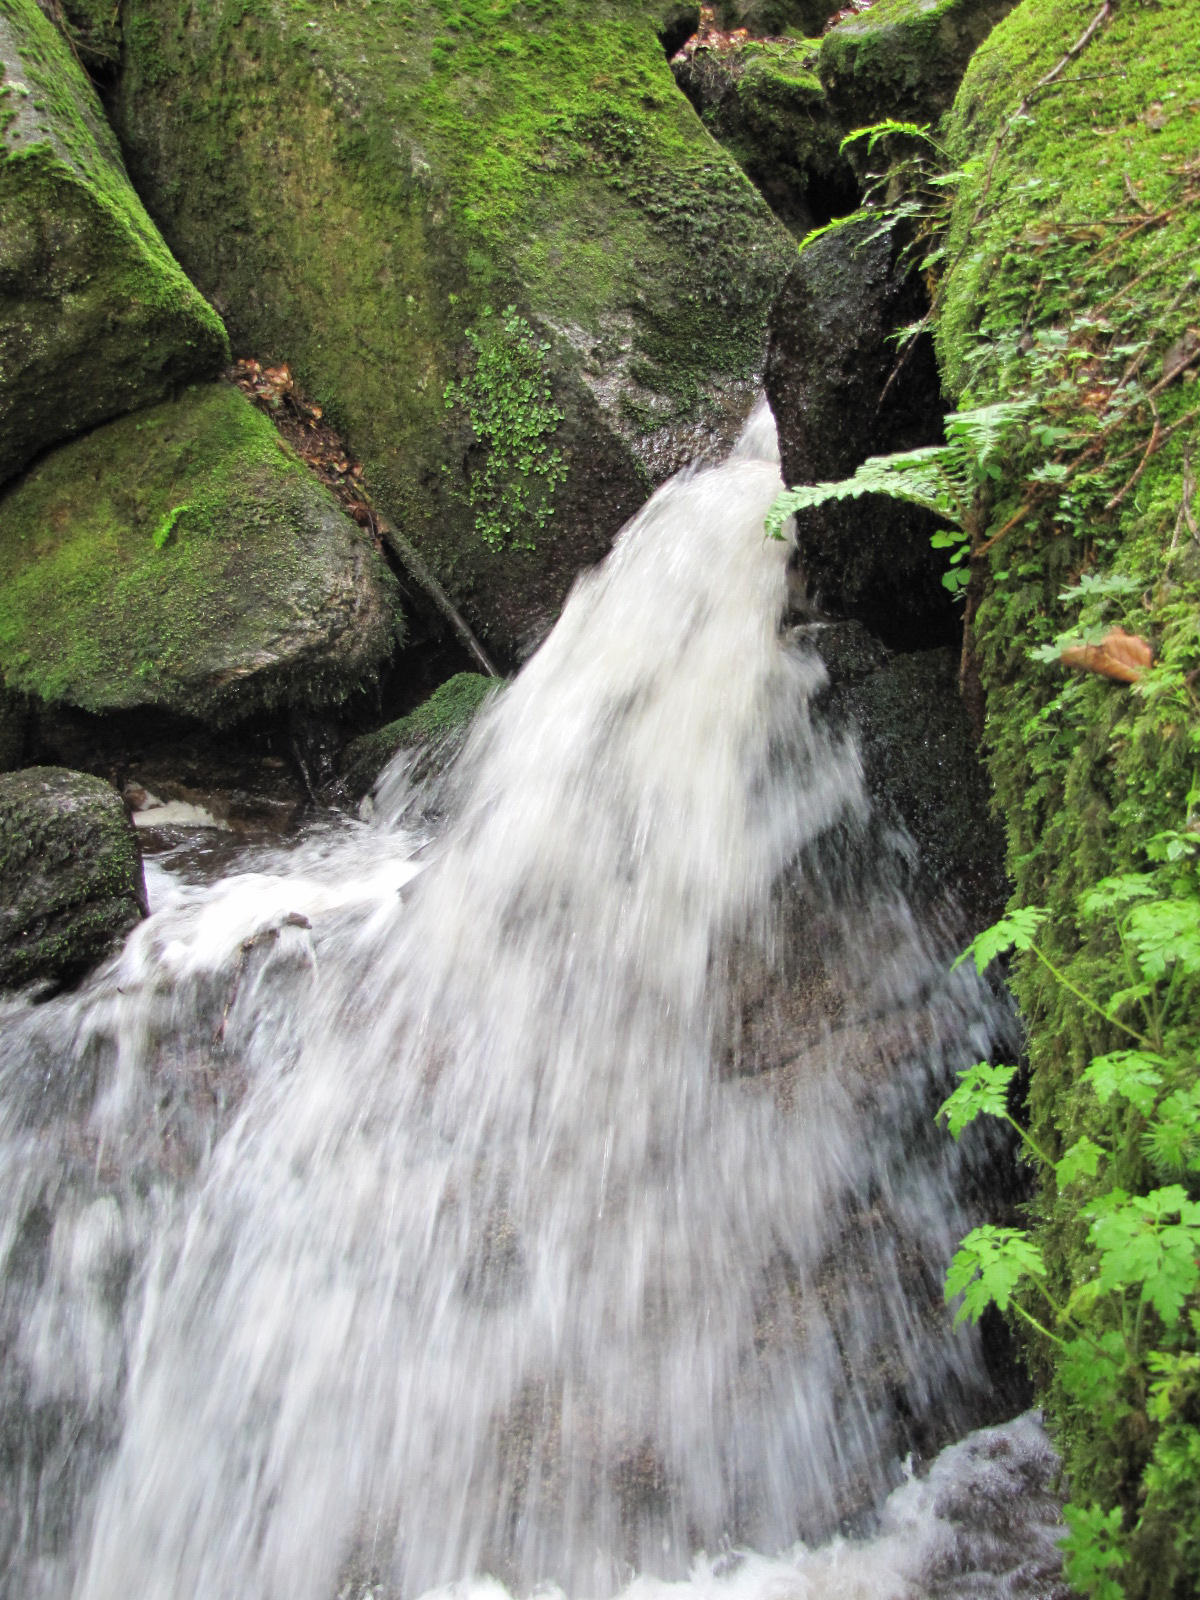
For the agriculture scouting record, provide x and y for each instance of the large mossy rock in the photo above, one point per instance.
(1075, 238)
(767, 106)
(832, 353)
(356, 188)
(96, 317)
(903, 58)
(71, 881)
(184, 559)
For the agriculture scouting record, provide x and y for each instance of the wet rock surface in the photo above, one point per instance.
(830, 359)
(920, 761)
(71, 881)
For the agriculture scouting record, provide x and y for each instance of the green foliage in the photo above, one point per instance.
(982, 1090)
(953, 480)
(1126, 1322)
(508, 401)
(877, 132)
(988, 1266)
(1094, 1552)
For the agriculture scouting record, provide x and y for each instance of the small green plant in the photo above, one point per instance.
(508, 401)
(166, 526)
(1125, 1323)
(952, 480)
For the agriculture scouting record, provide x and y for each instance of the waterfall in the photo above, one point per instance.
(541, 1194)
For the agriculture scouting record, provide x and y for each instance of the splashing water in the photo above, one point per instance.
(551, 1195)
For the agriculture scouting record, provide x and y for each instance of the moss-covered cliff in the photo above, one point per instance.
(96, 318)
(363, 193)
(1072, 288)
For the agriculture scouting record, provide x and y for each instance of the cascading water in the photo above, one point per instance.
(550, 1194)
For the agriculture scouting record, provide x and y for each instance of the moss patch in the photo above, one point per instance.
(96, 317)
(354, 187)
(903, 58)
(70, 874)
(764, 102)
(184, 558)
(435, 725)
(1076, 239)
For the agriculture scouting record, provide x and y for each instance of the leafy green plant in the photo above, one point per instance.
(1126, 1323)
(508, 401)
(952, 480)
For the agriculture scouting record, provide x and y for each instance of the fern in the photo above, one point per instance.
(946, 479)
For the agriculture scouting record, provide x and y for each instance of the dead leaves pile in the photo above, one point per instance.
(710, 37)
(301, 422)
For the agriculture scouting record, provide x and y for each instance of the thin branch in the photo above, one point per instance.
(1156, 434)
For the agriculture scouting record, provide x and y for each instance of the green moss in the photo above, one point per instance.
(1075, 238)
(183, 558)
(93, 28)
(764, 102)
(903, 58)
(434, 724)
(97, 317)
(507, 400)
(70, 874)
(354, 187)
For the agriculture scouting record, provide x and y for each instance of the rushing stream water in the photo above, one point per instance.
(542, 1195)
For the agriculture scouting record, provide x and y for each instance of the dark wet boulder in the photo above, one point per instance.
(904, 59)
(766, 105)
(184, 560)
(677, 24)
(434, 731)
(71, 884)
(922, 769)
(14, 728)
(831, 357)
(96, 317)
(496, 246)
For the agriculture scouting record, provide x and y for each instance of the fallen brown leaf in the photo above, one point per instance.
(1119, 655)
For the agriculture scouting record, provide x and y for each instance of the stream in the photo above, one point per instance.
(534, 1187)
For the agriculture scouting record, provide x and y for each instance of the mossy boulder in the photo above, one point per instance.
(96, 317)
(766, 105)
(71, 884)
(435, 729)
(771, 18)
(1075, 238)
(831, 356)
(903, 59)
(363, 192)
(184, 559)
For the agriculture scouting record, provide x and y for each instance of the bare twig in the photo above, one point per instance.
(1156, 434)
